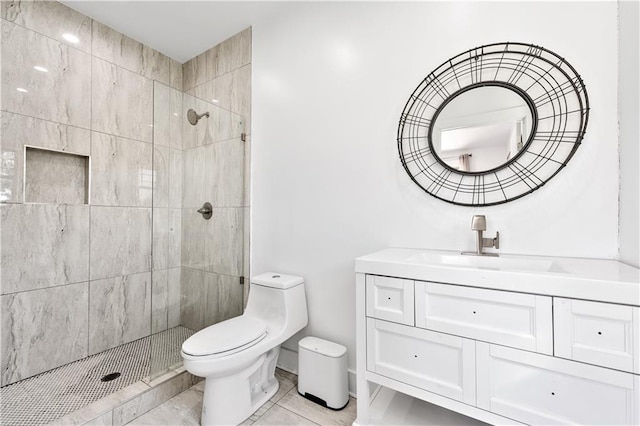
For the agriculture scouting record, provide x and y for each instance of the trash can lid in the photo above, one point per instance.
(323, 347)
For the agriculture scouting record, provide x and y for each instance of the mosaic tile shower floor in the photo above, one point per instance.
(50, 395)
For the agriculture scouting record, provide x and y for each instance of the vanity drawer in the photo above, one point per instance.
(435, 362)
(390, 299)
(512, 319)
(597, 333)
(539, 389)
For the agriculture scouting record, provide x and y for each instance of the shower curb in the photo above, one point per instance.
(129, 403)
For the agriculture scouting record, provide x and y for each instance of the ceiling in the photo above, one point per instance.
(179, 29)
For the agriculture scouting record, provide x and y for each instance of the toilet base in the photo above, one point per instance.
(232, 399)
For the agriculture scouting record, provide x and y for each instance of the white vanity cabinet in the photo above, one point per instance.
(390, 299)
(598, 333)
(436, 362)
(499, 347)
(544, 390)
(512, 319)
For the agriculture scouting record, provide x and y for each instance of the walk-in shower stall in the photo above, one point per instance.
(115, 253)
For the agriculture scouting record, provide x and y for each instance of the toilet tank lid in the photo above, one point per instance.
(277, 280)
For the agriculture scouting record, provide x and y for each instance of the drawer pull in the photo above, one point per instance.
(600, 333)
(553, 393)
(474, 312)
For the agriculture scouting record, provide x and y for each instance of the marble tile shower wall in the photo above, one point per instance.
(215, 154)
(76, 278)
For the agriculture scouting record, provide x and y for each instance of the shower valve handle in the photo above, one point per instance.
(206, 210)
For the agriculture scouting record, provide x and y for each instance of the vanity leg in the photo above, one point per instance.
(363, 393)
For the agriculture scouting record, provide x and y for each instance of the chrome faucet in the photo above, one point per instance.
(479, 224)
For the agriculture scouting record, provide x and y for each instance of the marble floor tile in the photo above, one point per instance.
(296, 403)
(260, 412)
(103, 420)
(287, 382)
(279, 416)
(151, 399)
(184, 409)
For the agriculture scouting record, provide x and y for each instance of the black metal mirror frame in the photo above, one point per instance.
(549, 85)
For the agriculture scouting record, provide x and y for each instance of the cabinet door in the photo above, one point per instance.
(435, 362)
(539, 389)
(512, 319)
(390, 299)
(598, 333)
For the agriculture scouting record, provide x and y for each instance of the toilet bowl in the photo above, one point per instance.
(237, 357)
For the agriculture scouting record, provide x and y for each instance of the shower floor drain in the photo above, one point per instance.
(109, 377)
(53, 394)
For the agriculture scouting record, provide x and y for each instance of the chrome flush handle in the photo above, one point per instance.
(206, 210)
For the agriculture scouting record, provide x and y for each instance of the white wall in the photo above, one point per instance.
(629, 94)
(330, 81)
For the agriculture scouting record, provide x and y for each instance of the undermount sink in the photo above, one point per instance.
(486, 262)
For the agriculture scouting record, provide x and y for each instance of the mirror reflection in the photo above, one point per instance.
(481, 129)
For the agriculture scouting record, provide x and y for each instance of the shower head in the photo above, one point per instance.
(194, 117)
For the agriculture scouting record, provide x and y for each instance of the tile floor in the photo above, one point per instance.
(53, 394)
(285, 408)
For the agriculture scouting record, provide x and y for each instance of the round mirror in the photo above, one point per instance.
(493, 124)
(481, 128)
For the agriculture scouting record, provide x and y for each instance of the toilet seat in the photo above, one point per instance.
(226, 338)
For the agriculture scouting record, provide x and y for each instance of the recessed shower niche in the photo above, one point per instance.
(55, 177)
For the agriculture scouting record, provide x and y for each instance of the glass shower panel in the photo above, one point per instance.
(197, 262)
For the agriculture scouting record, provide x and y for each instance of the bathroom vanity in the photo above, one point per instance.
(509, 339)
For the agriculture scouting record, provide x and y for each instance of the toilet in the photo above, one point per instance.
(237, 357)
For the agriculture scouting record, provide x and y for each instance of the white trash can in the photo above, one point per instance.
(322, 372)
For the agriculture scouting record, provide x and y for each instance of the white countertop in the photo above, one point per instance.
(589, 279)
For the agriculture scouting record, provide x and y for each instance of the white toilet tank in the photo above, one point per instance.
(278, 298)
